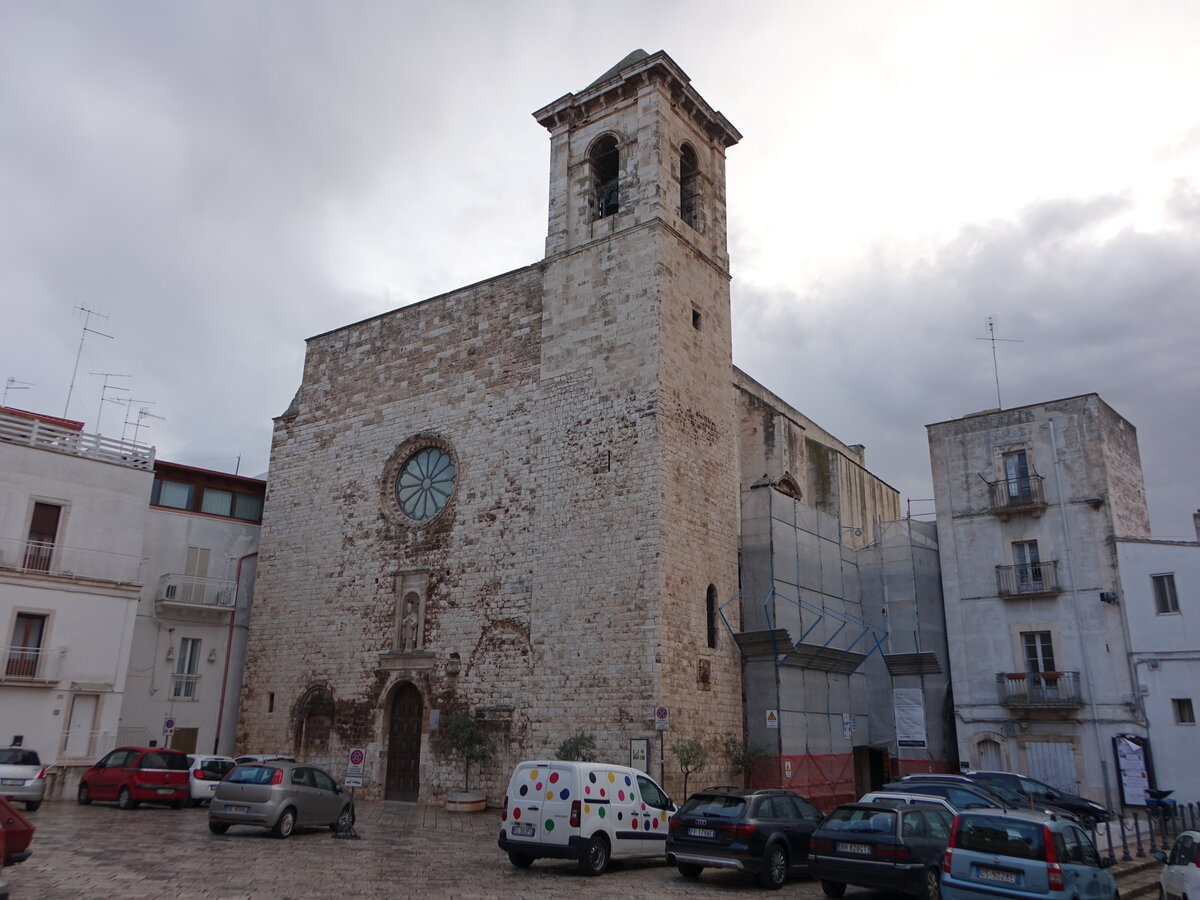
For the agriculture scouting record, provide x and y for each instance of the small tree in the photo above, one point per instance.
(692, 755)
(744, 758)
(580, 746)
(462, 735)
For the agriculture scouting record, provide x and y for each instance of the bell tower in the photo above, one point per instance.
(638, 144)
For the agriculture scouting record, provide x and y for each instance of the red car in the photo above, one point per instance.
(16, 832)
(133, 775)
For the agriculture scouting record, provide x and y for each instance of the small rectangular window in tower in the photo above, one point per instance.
(1165, 598)
(1184, 714)
(271, 702)
(696, 318)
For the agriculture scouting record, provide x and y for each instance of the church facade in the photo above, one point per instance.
(523, 499)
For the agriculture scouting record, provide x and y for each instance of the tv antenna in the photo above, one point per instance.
(12, 384)
(104, 392)
(87, 321)
(991, 327)
(142, 413)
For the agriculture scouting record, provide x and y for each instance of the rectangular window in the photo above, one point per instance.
(219, 503)
(25, 648)
(1184, 714)
(1165, 598)
(1039, 651)
(247, 506)
(43, 534)
(1028, 568)
(185, 681)
(172, 494)
(1016, 473)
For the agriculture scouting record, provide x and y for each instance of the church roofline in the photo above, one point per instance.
(623, 79)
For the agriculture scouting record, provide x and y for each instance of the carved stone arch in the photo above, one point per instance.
(788, 486)
(314, 723)
(604, 157)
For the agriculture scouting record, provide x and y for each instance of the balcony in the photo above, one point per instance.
(193, 597)
(1039, 690)
(1017, 495)
(33, 432)
(185, 687)
(1028, 580)
(45, 558)
(32, 665)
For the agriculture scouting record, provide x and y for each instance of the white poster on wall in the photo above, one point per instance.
(909, 706)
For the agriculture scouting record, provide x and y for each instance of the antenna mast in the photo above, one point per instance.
(104, 390)
(12, 384)
(991, 327)
(87, 320)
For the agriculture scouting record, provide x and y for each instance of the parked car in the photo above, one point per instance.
(893, 849)
(1022, 854)
(262, 758)
(16, 833)
(762, 832)
(961, 796)
(22, 776)
(134, 775)
(1011, 798)
(587, 811)
(1086, 811)
(279, 795)
(204, 774)
(897, 799)
(1180, 878)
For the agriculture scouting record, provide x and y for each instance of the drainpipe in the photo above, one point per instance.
(1087, 674)
(237, 591)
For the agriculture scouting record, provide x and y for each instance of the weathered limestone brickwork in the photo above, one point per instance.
(588, 408)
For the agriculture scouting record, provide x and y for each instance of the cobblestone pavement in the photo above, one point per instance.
(99, 851)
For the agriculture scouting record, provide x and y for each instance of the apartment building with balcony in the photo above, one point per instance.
(125, 584)
(185, 668)
(1031, 506)
(72, 566)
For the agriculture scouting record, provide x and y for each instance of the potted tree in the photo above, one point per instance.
(463, 736)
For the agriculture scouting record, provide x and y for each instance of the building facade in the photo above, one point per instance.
(1032, 504)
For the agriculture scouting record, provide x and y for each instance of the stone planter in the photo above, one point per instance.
(466, 801)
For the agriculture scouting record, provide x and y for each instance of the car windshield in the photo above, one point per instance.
(217, 767)
(715, 806)
(1001, 837)
(864, 820)
(252, 775)
(174, 761)
(14, 756)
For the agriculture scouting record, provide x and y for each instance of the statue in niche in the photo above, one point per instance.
(410, 623)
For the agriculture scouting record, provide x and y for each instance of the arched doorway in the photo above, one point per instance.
(404, 744)
(315, 726)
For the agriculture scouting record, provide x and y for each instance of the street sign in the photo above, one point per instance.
(168, 726)
(662, 719)
(355, 764)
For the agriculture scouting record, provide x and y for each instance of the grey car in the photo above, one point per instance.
(281, 796)
(22, 776)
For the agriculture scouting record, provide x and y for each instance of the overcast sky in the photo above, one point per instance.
(222, 179)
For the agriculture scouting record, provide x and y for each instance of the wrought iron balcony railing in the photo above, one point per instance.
(1028, 579)
(33, 664)
(1039, 689)
(1012, 494)
(190, 590)
(185, 687)
(43, 557)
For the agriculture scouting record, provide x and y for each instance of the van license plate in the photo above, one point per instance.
(523, 830)
(702, 832)
(997, 875)
(862, 849)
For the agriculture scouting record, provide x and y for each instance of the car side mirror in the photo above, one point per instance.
(1160, 856)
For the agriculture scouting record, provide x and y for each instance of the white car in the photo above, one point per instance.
(204, 774)
(1181, 876)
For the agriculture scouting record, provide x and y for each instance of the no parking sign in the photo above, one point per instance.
(355, 763)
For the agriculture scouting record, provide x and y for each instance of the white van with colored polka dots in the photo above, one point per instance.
(592, 812)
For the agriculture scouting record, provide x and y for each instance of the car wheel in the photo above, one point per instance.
(83, 796)
(345, 820)
(218, 827)
(286, 823)
(775, 867)
(931, 886)
(520, 860)
(125, 799)
(595, 856)
(833, 889)
(32, 805)
(689, 870)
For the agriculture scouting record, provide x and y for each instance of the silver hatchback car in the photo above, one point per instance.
(281, 796)
(22, 776)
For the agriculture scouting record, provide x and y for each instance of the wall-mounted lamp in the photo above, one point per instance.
(212, 655)
(170, 652)
(453, 664)
(1108, 597)
(854, 528)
